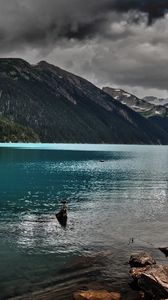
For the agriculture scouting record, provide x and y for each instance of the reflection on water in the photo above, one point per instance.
(113, 195)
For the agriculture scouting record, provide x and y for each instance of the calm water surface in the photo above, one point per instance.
(114, 193)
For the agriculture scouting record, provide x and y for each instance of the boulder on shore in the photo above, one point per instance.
(96, 295)
(153, 280)
(141, 259)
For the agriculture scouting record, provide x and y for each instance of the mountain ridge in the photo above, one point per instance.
(141, 106)
(157, 101)
(157, 114)
(62, 107)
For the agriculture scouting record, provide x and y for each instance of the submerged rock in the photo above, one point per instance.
(96, 295)
(140, 260)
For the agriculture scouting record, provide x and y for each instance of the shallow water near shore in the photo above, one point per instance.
(114, 193)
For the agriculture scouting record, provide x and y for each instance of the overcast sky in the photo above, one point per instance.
(119, 43)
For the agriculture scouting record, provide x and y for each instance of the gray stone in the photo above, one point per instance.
(141, 259)
(153, 280)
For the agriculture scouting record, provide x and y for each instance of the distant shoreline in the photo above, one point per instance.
(76, 146)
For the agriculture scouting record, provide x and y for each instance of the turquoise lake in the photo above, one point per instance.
(115, 192)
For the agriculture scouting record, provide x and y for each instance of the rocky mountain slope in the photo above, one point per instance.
(142, 106)
(156, 101)
(156, 113)
(61, 107)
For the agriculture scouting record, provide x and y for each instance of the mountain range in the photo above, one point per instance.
(48, 104)
(157, 101)
(152, 108)
(147, 107)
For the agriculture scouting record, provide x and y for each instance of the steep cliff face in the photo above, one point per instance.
(61, 107)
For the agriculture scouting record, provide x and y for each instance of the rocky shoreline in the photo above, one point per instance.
(147, 280)
(147, 277)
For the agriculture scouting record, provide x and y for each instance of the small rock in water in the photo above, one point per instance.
(140, 260)
(96, 295)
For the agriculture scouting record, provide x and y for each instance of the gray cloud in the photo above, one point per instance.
(136, 60)
(41, 21)
(116, 42)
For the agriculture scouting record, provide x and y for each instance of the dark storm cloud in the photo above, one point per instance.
(153, 8)
(122, 42)
(43, 21)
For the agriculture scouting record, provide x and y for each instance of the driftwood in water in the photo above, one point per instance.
(62, 217)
